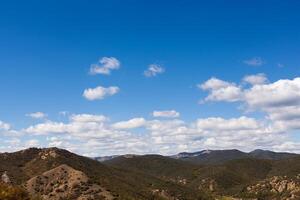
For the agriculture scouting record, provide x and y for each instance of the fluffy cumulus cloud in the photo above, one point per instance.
(288, 146)
(256, 79)
(11, 144)
(220, 90)
(130, 124)
(95, 135)
(280, 100)
(166, 113)
(105, 66)
(37, 115)
(281, 93)
(256, 61)
(100, 92)
(220, 124)
(154, 70)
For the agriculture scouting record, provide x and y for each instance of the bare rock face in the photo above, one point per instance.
(48, 153)
(208, 184)
(5, 178)
(279, 186)
(64, 182)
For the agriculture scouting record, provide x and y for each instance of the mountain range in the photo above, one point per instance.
(53, 173)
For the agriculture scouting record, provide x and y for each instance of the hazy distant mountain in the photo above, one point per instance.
(221, 156)
(265, 154)
(211, 156)
(105, 158)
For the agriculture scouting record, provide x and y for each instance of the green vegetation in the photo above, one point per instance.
(156, 177)
(9, 192)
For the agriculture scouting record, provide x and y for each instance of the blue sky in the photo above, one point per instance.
(47, 49)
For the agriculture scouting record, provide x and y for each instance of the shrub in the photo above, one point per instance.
(8, 192)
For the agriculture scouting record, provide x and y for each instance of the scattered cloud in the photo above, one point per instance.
(281, 93)
(130, 124)
(94, 135)
(256, 61)
(288, 146)
(221, 124)
(154, 70)
(220, 90)
(46, 128)
(63, 113)
(280, 100)
(256, 79)
(4, 126)
(166, 113)
(105, 66)
(32, 143)
(37, 115)
(88, 118)
(214, 84)
(100, 92)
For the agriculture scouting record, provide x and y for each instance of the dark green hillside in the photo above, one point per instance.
(287, 167)
(232, 176)
(212, 157)
(216, 156)
(155, 165)
(270, 155)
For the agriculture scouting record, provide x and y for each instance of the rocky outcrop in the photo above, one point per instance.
(280, 187)
(48, 153)
(208, 184)
(5, 178)
(64, 182)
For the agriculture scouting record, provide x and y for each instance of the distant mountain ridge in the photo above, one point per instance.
(217, 156)
(221, 156)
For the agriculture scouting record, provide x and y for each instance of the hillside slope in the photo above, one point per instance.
(31, 167)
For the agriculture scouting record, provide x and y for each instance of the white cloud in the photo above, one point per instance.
(4, 126)
(281, 93)
(100, 92)
(166, 113)
(105, 66)
(280, 100)
(214, 84)
(94, 135)
(220, 124)
(154, 70)
(256, 79)
(288, 146)
(256, 61)
(37, 115)
(46, 128)
(88, 118)
(221, 90)
(169, 127)
(32, 143)
(130, 124)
